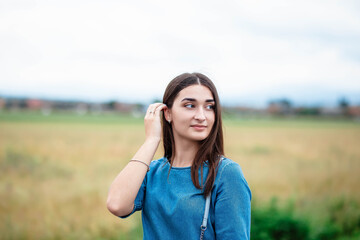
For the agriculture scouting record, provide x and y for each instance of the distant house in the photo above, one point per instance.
(124, 107)
(34, 104)
(282, 106)
(354, 111)
(2, 103)
(330, 111)
(244, 111)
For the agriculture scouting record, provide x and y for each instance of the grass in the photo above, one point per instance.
(55, 171)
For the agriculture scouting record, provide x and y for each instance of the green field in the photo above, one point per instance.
(55, 172)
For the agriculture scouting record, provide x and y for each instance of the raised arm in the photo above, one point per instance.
(127, 183)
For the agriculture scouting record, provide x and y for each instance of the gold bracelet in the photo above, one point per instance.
(134, 160)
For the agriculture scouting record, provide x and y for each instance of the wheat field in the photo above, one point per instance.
(55, 174)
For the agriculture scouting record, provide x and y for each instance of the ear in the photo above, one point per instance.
(167, 114)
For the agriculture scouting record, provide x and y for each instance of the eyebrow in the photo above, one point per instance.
(194, 100)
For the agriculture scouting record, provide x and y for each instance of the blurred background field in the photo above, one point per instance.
(55, 172)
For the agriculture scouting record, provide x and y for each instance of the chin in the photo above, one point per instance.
(200, 137)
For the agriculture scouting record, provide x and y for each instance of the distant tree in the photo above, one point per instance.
(282, 102)
(285, 102)
(280, 106)
(344, 106)
(308, 111)
(111, 104)
(343, 103)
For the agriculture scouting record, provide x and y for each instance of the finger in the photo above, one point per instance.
(157, 105)
(152, 108)
(159, 109)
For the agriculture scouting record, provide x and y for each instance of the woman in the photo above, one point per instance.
(171, 191)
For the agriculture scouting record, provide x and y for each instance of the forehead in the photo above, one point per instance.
(199, 92)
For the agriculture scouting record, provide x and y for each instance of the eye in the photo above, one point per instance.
(189, 105)
(210, 107)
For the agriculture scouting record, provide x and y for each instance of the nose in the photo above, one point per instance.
(200, 114)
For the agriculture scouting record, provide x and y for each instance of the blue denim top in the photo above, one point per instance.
(173, 208)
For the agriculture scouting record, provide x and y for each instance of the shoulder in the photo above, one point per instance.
(155, 164)
(230, 174)
(228, 166)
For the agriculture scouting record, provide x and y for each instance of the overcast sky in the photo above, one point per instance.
(254, 51)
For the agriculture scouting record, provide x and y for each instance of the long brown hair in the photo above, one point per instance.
(212, 147)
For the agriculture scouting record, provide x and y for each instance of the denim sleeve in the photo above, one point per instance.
(138, 203)
(232, 204)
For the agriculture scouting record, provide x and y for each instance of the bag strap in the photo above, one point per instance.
(206, 214)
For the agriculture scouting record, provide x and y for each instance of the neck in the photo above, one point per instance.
(185, 152)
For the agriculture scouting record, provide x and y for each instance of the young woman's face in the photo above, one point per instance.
(192, 114)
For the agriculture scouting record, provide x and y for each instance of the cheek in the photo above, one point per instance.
(182, 116)
(211, 118)
(180, 120)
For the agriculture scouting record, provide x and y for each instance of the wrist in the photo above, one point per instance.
(153, 140)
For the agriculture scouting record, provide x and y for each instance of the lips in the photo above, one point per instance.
(198, 127)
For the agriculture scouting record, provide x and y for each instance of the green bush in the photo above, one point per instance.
(341, 222)
(272, 222)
